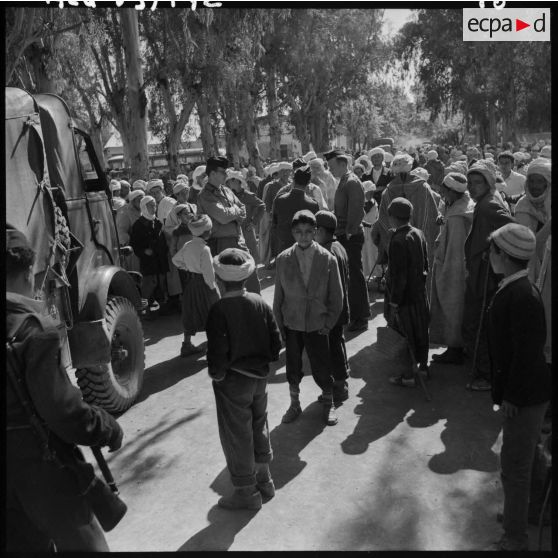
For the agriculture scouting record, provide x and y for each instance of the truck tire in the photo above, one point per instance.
(115, 386)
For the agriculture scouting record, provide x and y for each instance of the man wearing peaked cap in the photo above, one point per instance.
(349, 211)
(521, 379)
(227, 213)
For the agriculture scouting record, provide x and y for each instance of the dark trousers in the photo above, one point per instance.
(520, 437)
(338, 354)
(242, 418)
(317, 347)
(359, 305)
(43, 505)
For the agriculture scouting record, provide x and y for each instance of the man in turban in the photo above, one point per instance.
(436, 169)
(379, 173)
(156, 189)
(349, 211)
(490, 214)
(227, 213)
(448, 275)
(425, 208)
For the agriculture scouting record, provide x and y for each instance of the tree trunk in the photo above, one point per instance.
(492, 125)
(137, 99)
(251, 132)
(209, 146)
(97, 140)
(301, 131)
(319, 132)
(38, 58)
(273, 118)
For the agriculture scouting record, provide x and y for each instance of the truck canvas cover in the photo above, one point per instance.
(29, 205)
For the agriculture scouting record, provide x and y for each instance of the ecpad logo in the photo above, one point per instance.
(510, 24)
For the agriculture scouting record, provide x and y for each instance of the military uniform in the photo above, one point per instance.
(43, 500)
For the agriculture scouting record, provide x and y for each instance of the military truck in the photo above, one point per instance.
(58, 195)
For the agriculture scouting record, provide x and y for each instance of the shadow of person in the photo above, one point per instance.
(166, 374)
(287, 441)
(160, 328)
(220, 533)
(383, 406)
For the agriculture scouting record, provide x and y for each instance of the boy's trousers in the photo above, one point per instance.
(241, 404)
(317, 347)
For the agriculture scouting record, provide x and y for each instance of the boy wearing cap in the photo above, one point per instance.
(326, 224)
(520, 376)
(242, 339)
(407, 307)
(307, 302)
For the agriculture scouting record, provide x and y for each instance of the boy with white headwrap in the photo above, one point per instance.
(242, 339)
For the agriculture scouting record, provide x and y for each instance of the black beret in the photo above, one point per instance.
(326, 219)
(216, 162)
(336, 153)
(400, 208)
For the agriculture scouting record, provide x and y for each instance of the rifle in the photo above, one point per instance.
(104, 501)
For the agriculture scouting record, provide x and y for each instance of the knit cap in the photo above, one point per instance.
(515, 240)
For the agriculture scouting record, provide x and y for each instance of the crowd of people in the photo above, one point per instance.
(460, 239)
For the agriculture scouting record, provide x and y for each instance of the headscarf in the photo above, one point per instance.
(143, 208)
(432, 155)
(376, 151)
(542, 205)
(135, 194)
(236, 175)
(456, 181)
(234, 273)
(198, 171)
(482, 167)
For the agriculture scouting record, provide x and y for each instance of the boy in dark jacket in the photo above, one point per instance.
(242, 339)
(520, 376)
(407, 309)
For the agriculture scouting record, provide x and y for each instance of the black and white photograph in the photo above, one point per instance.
(278, 276)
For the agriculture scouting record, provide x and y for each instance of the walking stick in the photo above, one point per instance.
(104, 468)
(481, 322)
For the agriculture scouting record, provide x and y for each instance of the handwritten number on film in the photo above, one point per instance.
(498, 5)
(140, 5)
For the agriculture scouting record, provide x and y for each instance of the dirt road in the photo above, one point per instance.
(396, 472)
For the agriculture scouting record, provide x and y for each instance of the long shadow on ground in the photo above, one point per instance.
(168, 373)
(160, 328)
(288, 441)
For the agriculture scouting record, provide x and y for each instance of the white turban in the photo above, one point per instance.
(541, 166)
(139, 185)
(456, 181)
(114, 185)
(179, 186)
(198, 171)
(284, 165)
(421, 173)
(388, 157)
(273, 168)
(376, 151)
(369, 186)
(237, 175)
(546, 152)
(157, 183)
(143, 207)
(234, 273)
(310, 156)
(365, 162)
(135, 194)
(432, 155)
(200, 224)
(402, 162)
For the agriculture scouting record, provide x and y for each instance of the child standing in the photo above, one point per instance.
(242, 339)
(407, 309)
(199, 290)
(521, 383)
(307, 303)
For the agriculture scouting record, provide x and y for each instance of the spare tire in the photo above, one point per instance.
(115, 386)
